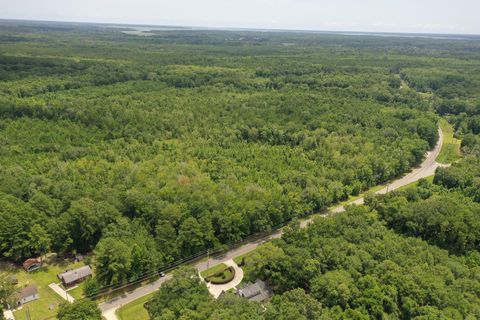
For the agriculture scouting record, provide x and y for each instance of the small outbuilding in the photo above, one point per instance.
(13, 280)
(32, 264)
(27, 294)
(72, 277)
(258, 291)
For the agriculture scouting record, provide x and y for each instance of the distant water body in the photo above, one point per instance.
(149, 31)
(412, 35)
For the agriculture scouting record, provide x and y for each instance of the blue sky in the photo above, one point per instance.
(431, 16)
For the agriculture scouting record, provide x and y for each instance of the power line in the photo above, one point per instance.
(151, 274)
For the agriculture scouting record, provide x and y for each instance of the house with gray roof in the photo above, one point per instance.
(27, 294)
(258, 291)
(72, 277)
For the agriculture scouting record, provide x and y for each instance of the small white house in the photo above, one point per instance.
(27, 294)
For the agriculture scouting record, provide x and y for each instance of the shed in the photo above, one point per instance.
(72, 277)
(32, 264)
(258, 291)
(27, 294)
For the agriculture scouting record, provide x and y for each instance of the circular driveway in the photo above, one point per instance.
(217, 289)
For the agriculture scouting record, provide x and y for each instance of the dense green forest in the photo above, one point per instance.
(350, 266)
(410, 254)
(103, 131)
(147, 150)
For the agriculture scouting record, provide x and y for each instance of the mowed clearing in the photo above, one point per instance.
(451, 146)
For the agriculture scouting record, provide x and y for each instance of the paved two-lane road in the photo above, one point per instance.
(426, 169)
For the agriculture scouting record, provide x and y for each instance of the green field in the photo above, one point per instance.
(451, 146)
(135, 310)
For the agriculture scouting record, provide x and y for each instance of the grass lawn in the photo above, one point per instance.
(247, 270)
(44, 308)
(238, 260)
(135, 310)
(47, 306)
(220, 273)
(77, 292)
(223, 276)
(210, 272)
(451, 146)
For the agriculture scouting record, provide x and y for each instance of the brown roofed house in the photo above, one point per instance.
(27, 294)
(32, 264)
(72, 277)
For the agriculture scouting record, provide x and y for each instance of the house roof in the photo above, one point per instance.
(30, 262)
(74, 275)
(257, 291)
(27, 292)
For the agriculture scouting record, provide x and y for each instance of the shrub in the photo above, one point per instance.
(222, 277)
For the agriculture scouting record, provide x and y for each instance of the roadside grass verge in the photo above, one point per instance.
(415, 183)
(451, 146)
(241, 258)
(135, 309)
(360, 195)
(243, 262)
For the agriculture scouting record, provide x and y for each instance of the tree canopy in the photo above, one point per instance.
(102, 133)
(79, 310)
(150, 150)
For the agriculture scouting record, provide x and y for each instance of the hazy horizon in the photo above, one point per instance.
(228, 28)
(408, 16)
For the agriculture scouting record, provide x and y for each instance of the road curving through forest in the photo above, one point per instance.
(426, 169)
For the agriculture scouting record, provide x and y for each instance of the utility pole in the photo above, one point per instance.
(208, 259)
